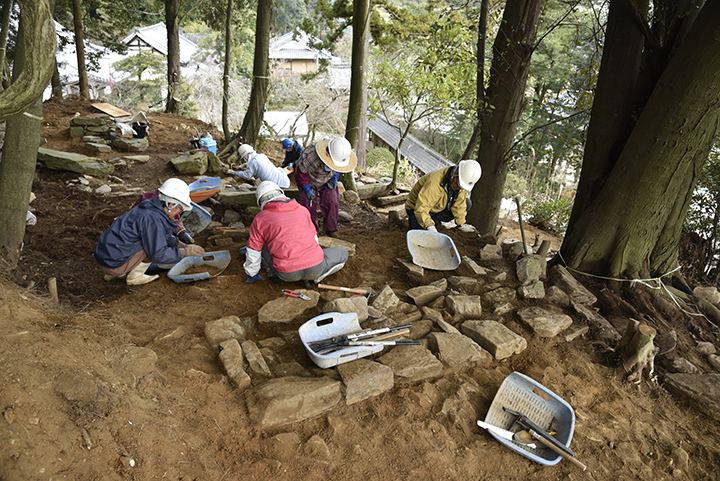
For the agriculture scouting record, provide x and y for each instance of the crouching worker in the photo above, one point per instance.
(144, 234)
(283, 239)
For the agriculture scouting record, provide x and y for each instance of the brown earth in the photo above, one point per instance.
(81, 400)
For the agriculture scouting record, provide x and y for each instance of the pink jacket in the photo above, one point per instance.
(289, 233)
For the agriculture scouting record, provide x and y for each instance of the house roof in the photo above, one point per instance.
(156, 37)
(296, 46)
(423, 157)
(285, 124)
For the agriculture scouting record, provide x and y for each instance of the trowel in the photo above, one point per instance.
(509, 435)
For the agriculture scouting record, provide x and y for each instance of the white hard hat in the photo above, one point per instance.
(337, 154)
(176, 191)
(245, 150)
(469, 171)
(266, 191)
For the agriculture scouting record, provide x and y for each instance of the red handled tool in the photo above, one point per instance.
(291, 293)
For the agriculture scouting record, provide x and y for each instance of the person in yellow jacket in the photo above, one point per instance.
(443, 196)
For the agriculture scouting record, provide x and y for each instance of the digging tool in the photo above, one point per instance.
(364, 292)
(535, 431)
(356, 336)
(509, 435)
(291, 293)
(338, 347)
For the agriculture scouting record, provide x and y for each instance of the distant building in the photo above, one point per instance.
(291, 54)
(422, 157)
(154, 39)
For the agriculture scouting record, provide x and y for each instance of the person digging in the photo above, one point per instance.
(144, 235)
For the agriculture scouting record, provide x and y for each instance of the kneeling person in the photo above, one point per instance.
(144, 234)
(283, 239)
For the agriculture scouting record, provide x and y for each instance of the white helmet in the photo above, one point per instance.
(469, 171)
(175, 191)
(266, 191)
(340, 150)
(245, 150)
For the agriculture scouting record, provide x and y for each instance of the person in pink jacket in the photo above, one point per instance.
(283, 239)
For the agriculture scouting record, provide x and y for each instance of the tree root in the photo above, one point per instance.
(638, 351)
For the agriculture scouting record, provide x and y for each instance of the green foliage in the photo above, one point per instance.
(515, 186)
(702, 217)
(553, 212)
(380, 162)
(141, 63)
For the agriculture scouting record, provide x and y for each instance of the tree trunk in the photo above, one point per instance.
(226, 69)
(57, 91)
(480, 88)
(80, 49)
(4, 29)
(632, 226)
(22, 137)
(172, 11)
(503, 106)
(258, 95)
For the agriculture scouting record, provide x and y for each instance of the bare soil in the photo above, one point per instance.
(81, 400)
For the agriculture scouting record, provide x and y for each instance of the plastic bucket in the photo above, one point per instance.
(140, 129)
(208, 144)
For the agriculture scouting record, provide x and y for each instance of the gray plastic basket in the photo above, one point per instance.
(540, 405)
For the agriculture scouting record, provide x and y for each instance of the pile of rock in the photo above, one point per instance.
(99, 134)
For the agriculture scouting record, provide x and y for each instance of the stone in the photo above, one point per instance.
(701, 391)
(230, 216)
(82, 164)
(285, 309)
(385, 299)
(95, 120)
(344, 216)
(464, 306)
(600, 328)
(357, 305)
(420, 329)
(255, 359)
(469, 267)
(491, 253)
(192, 164)
(462, 282)
(315, 448)
(351, 197)
(573, 332)
(214, 163)
(132, 145)
(457, 350)
(77, 131)
(530, 268)
(714, 361)
(706, 348)
(447, 327)
(432, 314)
(533, 290)
(411, 268)
(512, 249)
(98, 147)
(557, 296)
(326, 242)
(423, 295)
(710, 294)
(287, 400)
(494, 337)
(364, 379)
(561, 277)
(274, 343)
(413, 363)
(284, 446)
(103, 189)
(543, 322)
(499, 296)
(77, 386)
(503, 309)
(677, 364)
(140, 159)
(220, 330)
(231, 358)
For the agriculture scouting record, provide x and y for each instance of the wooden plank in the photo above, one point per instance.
(111, 110)
(393, 199)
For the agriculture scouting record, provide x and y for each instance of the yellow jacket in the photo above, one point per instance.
(428, 195)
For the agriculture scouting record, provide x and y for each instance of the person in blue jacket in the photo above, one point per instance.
(144, 235)
(293, 150)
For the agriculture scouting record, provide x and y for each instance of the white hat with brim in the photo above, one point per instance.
(347, 166)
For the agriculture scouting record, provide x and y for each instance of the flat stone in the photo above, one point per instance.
(573, 332)
(98, 147)
(420, 329)
(500, 296)
(385, 299)
(532, 290)
(255, 359)
(494, 337)
(600, 328)
(228, 327)
(88, 121)
(413, 363)
(423, 295)
(103, 189)
(512, 249)
(464, 306)
(141, 159)
(286, 309)
(287, 400)
(701, 391)
(70, 161)
(710, 294)
(462, 282)
(561, 277)
(411, 268)
(364, 379)
(530, 268)
(491, 252)
(191, 163)
(447, 327)
(704, 347)
(357, 305)
(231, 358)
(132, 145)
(432, 314)
(543, 322)
(557, 296)
(469, 267)
(457, 350)
(326, 242)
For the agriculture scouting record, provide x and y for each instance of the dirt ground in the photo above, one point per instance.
(119, 382)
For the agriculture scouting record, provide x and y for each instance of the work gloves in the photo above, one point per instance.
(332, 183)
(252, 279)
(185, 237)
(243, 250)
(193, 250)
(468, 228)
(230, 172)
(432, 228)
(449, 225)
(309, 191)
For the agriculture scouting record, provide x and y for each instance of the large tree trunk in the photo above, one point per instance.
(80, 49)
(22, 137)
(172, 11)
(258, 95)
(632, 226)
(226, 69)
(504, 103)
(480, 86)
(4, 29)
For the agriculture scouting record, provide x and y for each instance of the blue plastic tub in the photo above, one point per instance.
(208, 144)
(219, 260)
(197, 220)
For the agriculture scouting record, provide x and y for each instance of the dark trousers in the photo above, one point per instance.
(442, 216)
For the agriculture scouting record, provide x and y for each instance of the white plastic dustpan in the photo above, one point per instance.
(432, 250)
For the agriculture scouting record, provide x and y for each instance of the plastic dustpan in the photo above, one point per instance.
(216, 262)
(537, 403)
(205, 188)
(432, 250)
(197, 220)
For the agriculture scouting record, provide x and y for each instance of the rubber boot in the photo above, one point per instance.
(137, 277)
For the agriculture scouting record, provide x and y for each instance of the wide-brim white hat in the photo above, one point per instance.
(348, 166)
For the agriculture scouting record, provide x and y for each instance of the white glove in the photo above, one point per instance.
(449, 225)
(194, 250)
(468, 228)
(432, 228)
